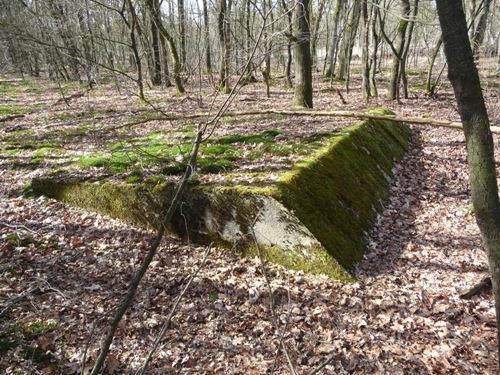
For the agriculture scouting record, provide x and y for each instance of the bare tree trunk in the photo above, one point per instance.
(155, 14)
(478, 37)
(182, 32)
(464, 77)
(397, 50)
(404, 58)
(374, 54)
(132, 25)
(303, 96)
(288, 68)
(315, 34)
(248, 77)
(224, 35)
(347, 44)
(429, 86)
(332, 54)
(365, 52)
(206, 25)
(155, 42)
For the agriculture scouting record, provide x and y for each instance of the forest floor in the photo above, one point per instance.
(63, 269)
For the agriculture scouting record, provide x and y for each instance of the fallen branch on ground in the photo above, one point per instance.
(310, 113)
(67, 99)
(483, 286)
(11, 117)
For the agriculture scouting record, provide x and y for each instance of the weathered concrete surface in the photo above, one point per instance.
(314, 218)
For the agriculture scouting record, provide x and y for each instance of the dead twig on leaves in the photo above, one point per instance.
(285, 328)
(166, 324)
(42, 286)
(274, 316)
(10, 117)
(18, 299)
(87, 345)
(67, 99)
(483, 286)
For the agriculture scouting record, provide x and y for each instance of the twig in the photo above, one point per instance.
(10, 117)
(322, 365)
(271, 303)
(17, 226)
(166, 324)
(19, 298)
(87, 345)
(483, 286)
(285, 328)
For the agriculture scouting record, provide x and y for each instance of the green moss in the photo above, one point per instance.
(135, 203)
(39, 328)
(6, 344)
(13, 109)
(319, 263)
(337, 192)
(21, 238)
(36, 354)
(96, 160)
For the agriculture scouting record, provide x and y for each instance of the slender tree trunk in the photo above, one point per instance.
(288, 67)
(365, 51)
(464, 77)
(303, 96)
(347, 44)
(132, 25)
(393, 92)
(155, 44)
(404, 58)
(155, 14)
(478, 37)
(206, 24)
(224, 35)
(167, 82)
(182, 32)
(315, 34)
(429, 85)
(249, 77)
(334, 44)
(374, 54)
(268, 45)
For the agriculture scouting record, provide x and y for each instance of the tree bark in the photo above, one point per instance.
(478, 37)
(303, 95)
(464, 77)
(365, 52)
(288, 68)
(332, 54)
(348, 40)
(397, 50)
(429, 86)
(155, 45)
(315, 34)
(404, 59)
(206, 25)
(182, 32)
(224, 34)
(167, 39)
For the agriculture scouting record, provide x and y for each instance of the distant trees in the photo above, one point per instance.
(153, 42)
